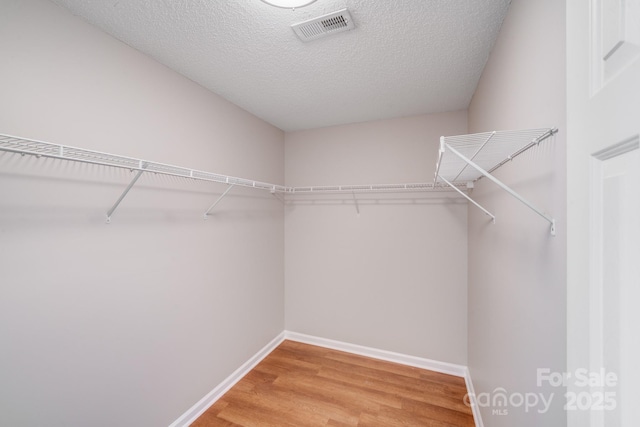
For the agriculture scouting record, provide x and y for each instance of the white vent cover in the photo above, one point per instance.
(324, 25)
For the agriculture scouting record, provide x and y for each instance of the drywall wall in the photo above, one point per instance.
(517, 290)
(133, 322)
(393, 276)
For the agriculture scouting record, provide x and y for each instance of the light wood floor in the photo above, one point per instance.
(302, 385)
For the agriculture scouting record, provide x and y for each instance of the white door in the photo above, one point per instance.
(615, 286)
(603, 211)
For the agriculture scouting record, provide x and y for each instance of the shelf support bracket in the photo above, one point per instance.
(440, 153)
(463, 194)
(355, 200)
(274, 194)
(208, 212)
(499, 183)
(125, 192)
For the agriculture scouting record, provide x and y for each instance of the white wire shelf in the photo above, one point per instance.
(489, 150)
(464, 159)
(36, 148)
(26, 146)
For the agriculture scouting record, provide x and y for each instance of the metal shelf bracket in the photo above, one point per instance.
(110, 212)
(355, 201)
(208, 212)
(275, 194)
(495, 180)
(463, 194)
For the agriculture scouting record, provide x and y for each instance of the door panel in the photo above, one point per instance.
(615, 38)
(615, 282)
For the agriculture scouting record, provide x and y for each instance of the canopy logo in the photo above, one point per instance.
(499, 400)
(599, 393)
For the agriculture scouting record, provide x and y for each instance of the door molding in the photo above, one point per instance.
(596, 255)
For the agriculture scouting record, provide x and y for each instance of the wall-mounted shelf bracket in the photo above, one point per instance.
(355, 201)
(486, 174)
(275, 194)
(208, 212)
(110, 212)
(463, 194)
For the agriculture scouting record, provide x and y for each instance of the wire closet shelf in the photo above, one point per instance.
(26, 146)
(464, 159)
(36, 148)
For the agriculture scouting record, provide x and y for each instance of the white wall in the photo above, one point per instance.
(517, 290)
(129, 323)
(394, 276)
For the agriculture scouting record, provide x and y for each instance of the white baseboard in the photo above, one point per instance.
(389, 356)
(205, 403)
(433, 365)
(475, 409)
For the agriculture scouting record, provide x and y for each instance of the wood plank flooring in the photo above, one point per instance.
(304, 385)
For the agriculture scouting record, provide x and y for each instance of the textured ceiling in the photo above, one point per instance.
(404, 57)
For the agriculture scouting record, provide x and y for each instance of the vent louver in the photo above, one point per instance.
(323, 26)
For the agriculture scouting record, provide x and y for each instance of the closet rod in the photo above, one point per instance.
(370, 188)
(536, 141)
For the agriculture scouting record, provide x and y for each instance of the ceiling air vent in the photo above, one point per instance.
(323, 26)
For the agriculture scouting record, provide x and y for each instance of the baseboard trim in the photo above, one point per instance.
(389, 356)
(205, 403)
(475, 409)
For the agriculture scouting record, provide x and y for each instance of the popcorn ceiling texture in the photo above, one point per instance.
(403, 58)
